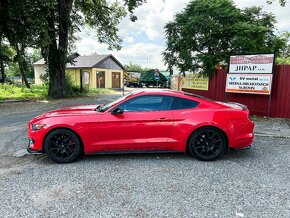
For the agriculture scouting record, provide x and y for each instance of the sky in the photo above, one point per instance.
(144, 39)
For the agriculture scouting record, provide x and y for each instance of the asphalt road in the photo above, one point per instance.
(245, 183)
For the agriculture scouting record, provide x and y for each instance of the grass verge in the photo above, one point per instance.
(39, 92)
(20, 92)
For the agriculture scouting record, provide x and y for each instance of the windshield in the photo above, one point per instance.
(104, 107)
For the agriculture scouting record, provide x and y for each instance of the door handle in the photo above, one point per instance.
(162, 118)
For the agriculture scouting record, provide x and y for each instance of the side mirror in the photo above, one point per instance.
(117, 110)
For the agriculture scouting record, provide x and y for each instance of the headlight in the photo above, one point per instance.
(37, 126)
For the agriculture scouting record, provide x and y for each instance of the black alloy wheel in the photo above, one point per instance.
(62, 146)
(207, 143)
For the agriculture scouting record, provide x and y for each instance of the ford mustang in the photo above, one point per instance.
(143, 121)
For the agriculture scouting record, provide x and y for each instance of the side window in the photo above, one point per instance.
(182, 103)
(148, 103)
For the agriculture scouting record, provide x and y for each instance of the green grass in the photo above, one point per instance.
(18, 92)
(39, 92)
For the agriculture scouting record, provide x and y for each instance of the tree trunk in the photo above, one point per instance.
(23, 66)
(57, 54)
(3, 77)
(57, 86)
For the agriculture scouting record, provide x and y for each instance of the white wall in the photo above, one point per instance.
(38, 71)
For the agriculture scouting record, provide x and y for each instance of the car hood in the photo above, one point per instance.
(68, 111)
(72, 110)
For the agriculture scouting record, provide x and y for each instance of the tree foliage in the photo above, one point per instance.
(285, 51)
(131, 67)
(7, 52)
(284, 57)
(21, 25)
(8, 55)
(206, 32)
(51, 25)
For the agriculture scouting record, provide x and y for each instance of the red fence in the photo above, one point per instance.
(257, 104)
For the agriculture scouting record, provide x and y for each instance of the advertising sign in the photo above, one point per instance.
(247, 83)
(195, 81)
(260, 64)
(157, 78)
(250, 74)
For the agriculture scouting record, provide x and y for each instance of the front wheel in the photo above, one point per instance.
(207, 143)
(62, 146)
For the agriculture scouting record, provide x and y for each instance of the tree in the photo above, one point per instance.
(7, 54)
(2, 73)
(21, 24)
(3, 57)
(206, 32)
(135, 68)
(285, 52)
(54, 22)
(284, 57)
(64, 19)
(32, 57)
(12, 67)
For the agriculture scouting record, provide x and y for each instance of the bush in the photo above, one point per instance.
(71, 89)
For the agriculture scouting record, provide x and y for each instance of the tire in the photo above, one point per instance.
(207, 143)
(62, 146)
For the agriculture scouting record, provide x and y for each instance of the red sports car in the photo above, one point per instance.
(143, 121)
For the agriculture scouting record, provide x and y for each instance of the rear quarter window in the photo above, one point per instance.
(183, 103)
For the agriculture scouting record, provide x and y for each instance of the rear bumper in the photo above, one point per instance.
(243, 135)
(244, 140)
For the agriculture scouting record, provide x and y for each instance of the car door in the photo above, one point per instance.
(145, 124)
(184, 115)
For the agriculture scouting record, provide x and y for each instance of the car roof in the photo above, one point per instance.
(159, 91)
(170, 92)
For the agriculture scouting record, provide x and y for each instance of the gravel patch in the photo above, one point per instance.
(246, 183)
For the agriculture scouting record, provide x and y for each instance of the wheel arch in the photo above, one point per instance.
(65, 128)
(211, 126)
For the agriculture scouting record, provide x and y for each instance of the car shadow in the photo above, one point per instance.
(233, 155)
(240, 154)
(132, 156)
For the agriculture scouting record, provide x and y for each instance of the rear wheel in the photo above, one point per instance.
(62, 146)
(207, 143)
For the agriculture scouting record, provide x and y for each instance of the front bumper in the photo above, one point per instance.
(31, 146)
(34, 151)
(243, 148)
